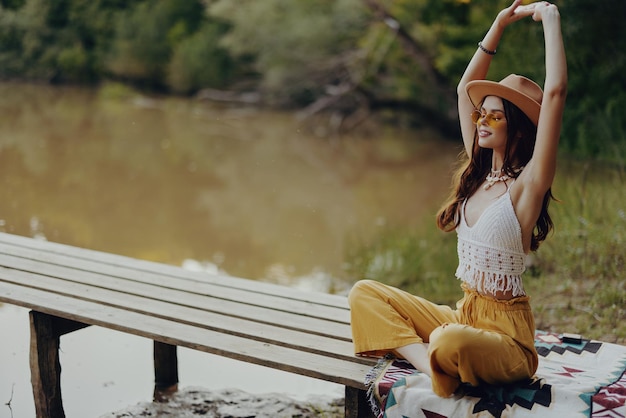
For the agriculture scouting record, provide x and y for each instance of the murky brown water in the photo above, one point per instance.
(250, 192)
(172, 179)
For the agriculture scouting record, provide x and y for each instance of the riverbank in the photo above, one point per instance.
(199, 402)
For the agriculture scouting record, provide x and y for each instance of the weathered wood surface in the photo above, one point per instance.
(307, 333)
(45, 368)
(147, 267)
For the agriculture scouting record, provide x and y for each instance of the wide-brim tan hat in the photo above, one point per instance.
(521, 91)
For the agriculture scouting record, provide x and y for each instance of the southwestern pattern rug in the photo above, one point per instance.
(573, 380)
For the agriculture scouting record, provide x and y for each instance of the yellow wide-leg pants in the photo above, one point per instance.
(485, 340)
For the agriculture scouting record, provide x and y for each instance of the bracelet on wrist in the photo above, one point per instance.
(485, 50)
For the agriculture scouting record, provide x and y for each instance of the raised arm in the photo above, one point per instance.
(479, 64)
(536, 179)
(540, 171)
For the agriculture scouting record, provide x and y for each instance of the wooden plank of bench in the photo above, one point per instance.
(337, 370)
(142, 276)
(272, 318)
(194, 316)
(292, 320)
(65, 264)
(174, 271)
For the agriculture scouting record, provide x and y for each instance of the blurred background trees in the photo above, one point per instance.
(345, 58)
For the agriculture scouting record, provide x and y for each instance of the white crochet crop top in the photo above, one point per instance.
(491, 253)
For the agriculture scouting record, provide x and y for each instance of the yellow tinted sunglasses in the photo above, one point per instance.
(491, 119)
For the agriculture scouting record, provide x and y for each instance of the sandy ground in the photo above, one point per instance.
(232, 403)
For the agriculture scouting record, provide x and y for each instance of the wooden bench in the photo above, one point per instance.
(68, 288)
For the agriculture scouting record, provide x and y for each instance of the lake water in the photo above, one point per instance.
(251, 193)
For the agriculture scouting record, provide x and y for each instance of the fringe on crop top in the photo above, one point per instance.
(491, 253)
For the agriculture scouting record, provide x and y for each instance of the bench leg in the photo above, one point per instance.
(45, 367)
(165, 370)
(357, 405)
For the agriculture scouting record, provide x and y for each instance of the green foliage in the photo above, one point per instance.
(54, 41)
(591, 221)
(198, 62)
(297, 46)
(443, 28)
(302, 50)
(73, 61)
(11, 4)
(87, 40)
(146, 36)
(56, 15)
(596, 46)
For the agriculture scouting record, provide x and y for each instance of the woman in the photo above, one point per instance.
(499, 206)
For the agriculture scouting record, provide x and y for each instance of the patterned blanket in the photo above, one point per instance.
(573, 380)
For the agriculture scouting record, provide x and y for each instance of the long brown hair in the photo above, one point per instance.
(520, 144)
